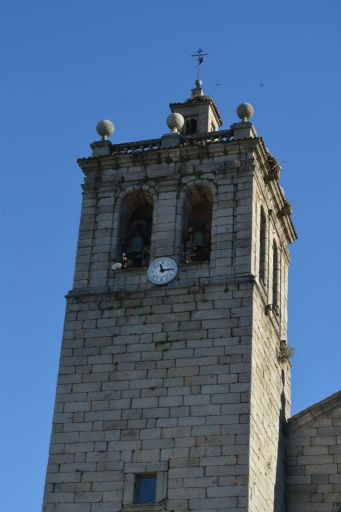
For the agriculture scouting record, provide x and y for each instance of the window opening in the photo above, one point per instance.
(145, 489)
(137, 244)
(275, 280)
(262, 247)
(136, 229)
(191, 127)
(197, 224)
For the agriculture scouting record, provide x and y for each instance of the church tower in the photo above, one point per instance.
(174, 379)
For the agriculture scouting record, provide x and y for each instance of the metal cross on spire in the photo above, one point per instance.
(200, 59)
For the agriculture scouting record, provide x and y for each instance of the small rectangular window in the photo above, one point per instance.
(145, 488)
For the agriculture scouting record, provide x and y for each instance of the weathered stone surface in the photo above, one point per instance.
(313, 460)
(183, 381)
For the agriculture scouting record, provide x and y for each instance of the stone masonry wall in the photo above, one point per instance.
(158, 380)
(231, 188)
(153, 381)
(270, 406)
(314, 458)
(270, 380)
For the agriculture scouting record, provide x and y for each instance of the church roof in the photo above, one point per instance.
(314, 412)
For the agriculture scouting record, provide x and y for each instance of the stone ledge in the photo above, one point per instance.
(144, 507)
(81, 292)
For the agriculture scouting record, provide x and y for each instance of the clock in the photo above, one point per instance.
(162, 271)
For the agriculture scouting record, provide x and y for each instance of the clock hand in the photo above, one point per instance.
(162, 270)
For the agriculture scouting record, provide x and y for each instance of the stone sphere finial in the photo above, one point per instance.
(105, 128)
(175, 122)
(245, 111)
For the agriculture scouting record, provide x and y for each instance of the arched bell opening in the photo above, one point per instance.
(197, 225)
(136, 221)
(191, 126)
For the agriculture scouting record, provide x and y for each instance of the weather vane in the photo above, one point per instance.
(200, 59)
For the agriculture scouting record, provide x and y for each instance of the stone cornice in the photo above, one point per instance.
(185, 284)
(271, 168)
(132, 154)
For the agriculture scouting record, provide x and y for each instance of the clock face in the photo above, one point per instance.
(162, 271)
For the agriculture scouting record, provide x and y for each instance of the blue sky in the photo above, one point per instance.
(67, 64)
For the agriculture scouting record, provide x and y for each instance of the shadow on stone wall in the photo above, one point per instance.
(279, 490)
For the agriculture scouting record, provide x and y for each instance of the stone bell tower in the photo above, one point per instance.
(174, 383)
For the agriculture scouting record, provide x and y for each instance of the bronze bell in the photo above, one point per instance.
(198, 239)
(136, 246)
